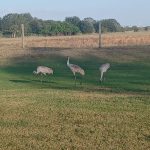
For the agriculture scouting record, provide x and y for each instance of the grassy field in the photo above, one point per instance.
(114, 115)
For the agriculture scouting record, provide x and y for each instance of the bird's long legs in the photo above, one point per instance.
(81, 80)
(75, 79)
(41, 78)
(101, 76)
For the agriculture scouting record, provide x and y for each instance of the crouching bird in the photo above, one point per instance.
(43, 70)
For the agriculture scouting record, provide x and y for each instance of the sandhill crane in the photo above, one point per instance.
(75, 69)
(103, 68)
(42, 70)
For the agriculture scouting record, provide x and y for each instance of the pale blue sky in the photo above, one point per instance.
(127, 12)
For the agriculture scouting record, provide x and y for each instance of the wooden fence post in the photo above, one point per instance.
(100, 35)
(22, 34)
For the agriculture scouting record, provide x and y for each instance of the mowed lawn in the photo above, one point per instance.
(113, 115)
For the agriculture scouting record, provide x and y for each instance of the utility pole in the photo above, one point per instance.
(22, 34)
(100, 35)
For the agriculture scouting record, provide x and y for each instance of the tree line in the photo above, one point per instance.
(10, 25)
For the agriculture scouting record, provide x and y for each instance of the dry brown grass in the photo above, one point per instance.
(90, 41)
(82, 41)
(126, 39)
(79, 46)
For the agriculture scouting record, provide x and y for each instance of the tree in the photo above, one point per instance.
(12, 23)
(36, 26)
(73, 20)
(90, 20)
(110, 25)
(135, 28)
(86, 27)
(0, 27)
(0, 24)
(146, 28)
(127, 28)
(51, 28)
(14, 30)
(70, 29)
(96, 26)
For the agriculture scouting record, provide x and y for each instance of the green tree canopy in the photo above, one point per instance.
(73, 20)
(0, 24)
(12, 22)
(90, 20)
(135, 28)
(86, 27)
(108, 25)
(36, 26)
(111, 25)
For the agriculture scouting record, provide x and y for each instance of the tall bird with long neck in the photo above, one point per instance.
(103, 68)
(75, 69)
(42, 70)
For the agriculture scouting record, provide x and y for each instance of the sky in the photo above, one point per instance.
(126, 12)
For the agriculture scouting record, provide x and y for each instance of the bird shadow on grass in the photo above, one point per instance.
(44, 81)
(20, 81)
(141, 83)
(29, 81)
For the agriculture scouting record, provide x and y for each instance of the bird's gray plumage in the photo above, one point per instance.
(75, 69)
(103, 68)
(43, 70)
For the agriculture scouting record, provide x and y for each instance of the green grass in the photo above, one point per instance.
(57, 115)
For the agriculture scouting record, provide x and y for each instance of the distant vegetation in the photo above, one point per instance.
(10, 26)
